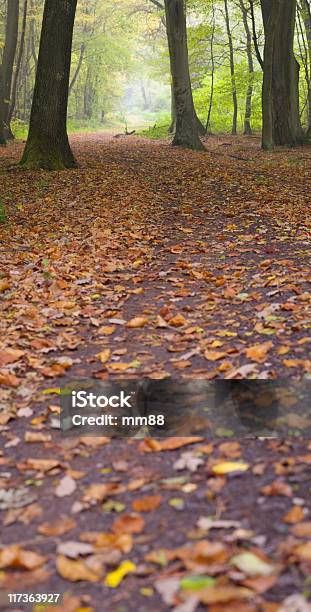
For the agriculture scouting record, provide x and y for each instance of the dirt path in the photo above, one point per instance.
(211, 252)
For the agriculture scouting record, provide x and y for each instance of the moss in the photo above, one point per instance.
(45, 156)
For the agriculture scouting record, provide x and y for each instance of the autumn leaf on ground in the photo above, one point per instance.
(258, 352)
(137, 322)
(75, 570)
(14, 556)
(147, 503)
(129, 523)
(113, 579)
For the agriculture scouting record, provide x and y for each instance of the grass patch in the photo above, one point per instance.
(157, 132)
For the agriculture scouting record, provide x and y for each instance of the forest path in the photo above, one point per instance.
(210, 251)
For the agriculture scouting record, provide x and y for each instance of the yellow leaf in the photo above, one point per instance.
(113, 579)
(104, 355)
(226, 467)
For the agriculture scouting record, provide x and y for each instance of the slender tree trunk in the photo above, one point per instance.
(186, 134)
(78, 68)
(306, 15)
(11, 34)
(2, 130)
(249, 93)
(210, 106)
(18, 62)
(232, 71)
(47, 144)
(279, 23)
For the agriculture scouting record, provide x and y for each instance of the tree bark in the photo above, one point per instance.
(18, 62)
(249, 93)
(186, 134)
(47, 145)
(306, 16)
(172, 127)
(267, 87)
(11, 34)
(279, 23)
(232, 71)
(2, 130)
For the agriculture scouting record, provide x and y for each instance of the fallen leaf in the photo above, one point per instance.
(58, 528)
(128, 523)
(250, 564)
(147, 503)
(137, 322)
(66, 487)
(75, 570)
(226, 467)
(258, 352)
(113, 579)
(16, 557)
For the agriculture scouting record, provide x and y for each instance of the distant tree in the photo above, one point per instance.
(9, 50)
(249, 51)
(232, 70)
(305, 8)
(47, 144)
(187, 131)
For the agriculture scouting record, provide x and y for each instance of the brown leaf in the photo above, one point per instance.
(97, 492)
(278, 487)
(129, 523)
(75, 570)
(10, 355)
(147, 503)
(14, 556)
(58, 527)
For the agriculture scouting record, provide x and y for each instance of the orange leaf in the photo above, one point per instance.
(128, 523)
(147, 503)
(137, 322)
(258, 352)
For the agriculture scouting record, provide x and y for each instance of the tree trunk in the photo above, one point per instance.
(11, 33)
(18, 62)
(279, 23)
(249, 93)
(47, 144)
(232, 71)
(186, 134)
(2, 131)
(267, 87)
(306, 15)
